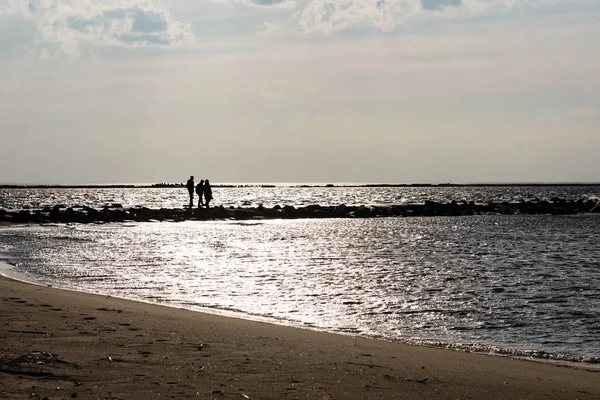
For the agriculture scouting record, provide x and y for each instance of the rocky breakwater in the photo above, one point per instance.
(116, 213)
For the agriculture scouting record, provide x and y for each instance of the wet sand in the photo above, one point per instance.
(60, 344)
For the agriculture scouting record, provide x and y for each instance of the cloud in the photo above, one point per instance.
(68, 26)
(73, 27)
(326, 16)
(268, 2)
(263, 3)
(438, 4)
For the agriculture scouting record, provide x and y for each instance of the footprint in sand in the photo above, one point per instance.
(109, 309)
(17, 299)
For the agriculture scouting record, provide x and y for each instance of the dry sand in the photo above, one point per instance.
(60, 344)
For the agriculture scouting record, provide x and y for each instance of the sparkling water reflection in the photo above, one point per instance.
(522, 283)
(286, 195)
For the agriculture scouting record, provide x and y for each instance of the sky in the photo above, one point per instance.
(386, 91)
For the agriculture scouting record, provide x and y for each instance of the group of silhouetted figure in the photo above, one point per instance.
(203, 190)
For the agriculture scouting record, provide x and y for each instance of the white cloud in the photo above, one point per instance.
(69, 26)
(266, 3)
(326, 16)
(51, 27)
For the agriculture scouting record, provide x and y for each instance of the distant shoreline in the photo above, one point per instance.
(269, 185)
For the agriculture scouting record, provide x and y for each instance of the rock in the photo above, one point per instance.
(85, 214)
(289, 209)
(22, 216)
(364, 212)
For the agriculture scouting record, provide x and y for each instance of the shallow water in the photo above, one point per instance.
(523, 285)
(287, 195)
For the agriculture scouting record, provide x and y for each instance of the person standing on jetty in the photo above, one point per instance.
(207, 193)
(200, 192)
(190, 188)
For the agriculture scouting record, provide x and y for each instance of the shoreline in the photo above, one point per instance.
(97, 346)
(570, 361)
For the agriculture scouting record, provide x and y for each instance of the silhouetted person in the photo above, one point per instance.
(207, 193)
(200, 192)
(190, 188)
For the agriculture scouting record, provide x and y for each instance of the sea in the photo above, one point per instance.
(512, 285)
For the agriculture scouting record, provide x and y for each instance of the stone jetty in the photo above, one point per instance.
(117, 213)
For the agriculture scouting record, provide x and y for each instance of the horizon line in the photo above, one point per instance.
(292, 184)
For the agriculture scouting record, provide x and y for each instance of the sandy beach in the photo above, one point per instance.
(60, 344)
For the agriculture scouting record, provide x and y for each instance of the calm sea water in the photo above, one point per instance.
(519, 285)
(287, 195)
